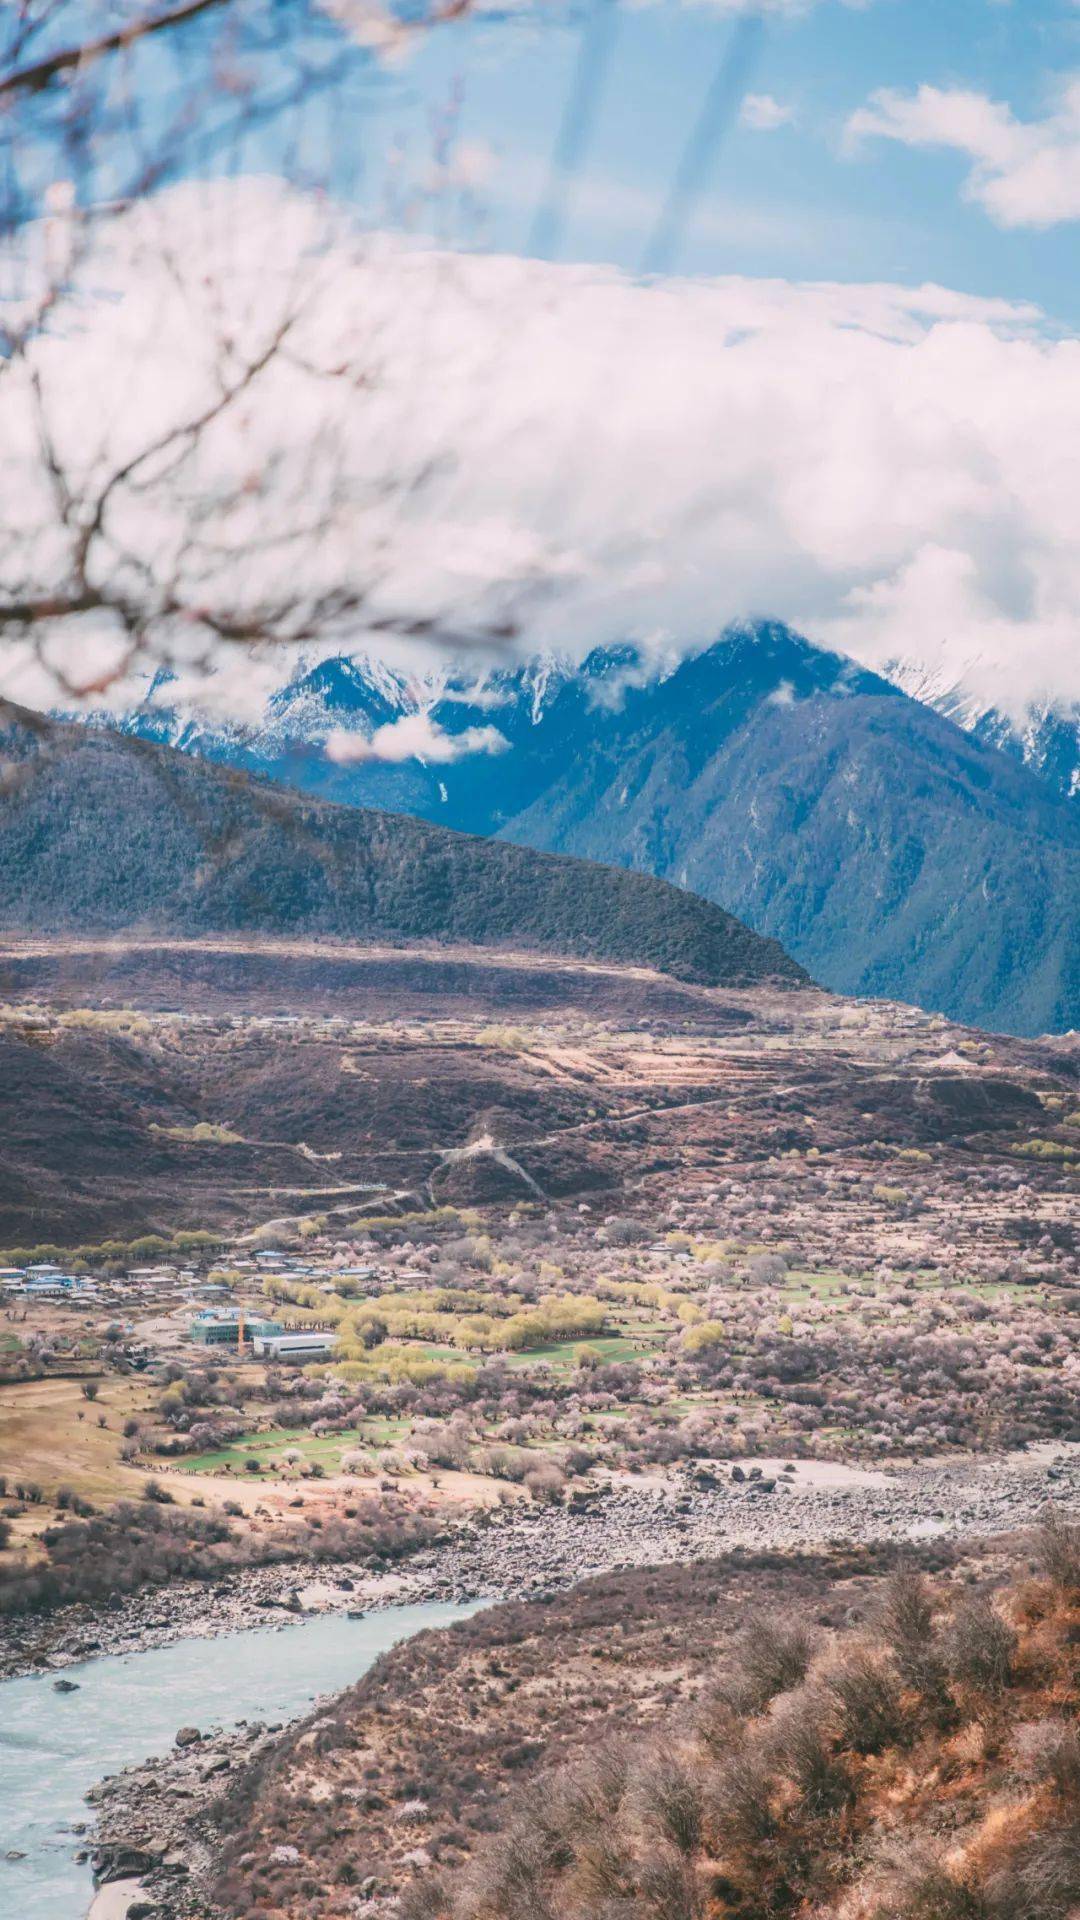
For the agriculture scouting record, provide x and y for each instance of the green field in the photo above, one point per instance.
(562, 1355)
(324, 1449)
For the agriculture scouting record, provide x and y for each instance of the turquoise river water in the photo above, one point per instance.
(53, 1746)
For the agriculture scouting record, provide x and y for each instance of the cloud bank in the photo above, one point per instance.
(500, 452)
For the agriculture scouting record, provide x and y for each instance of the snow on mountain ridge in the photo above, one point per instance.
(358, 693)
(1045, 736)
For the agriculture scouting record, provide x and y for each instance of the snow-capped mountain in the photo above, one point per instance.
(1047, 740)
(894, 845)
(1045, 737)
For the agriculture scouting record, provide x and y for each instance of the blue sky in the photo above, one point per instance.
(788, 202)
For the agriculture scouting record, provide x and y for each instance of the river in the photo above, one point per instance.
(53, 1746)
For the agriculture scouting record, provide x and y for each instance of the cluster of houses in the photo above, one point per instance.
(285, 1266)
(244, 1331)
(43, 1281)
(142, 1286)
(216, 1320)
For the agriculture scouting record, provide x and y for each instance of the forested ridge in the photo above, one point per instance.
(106, 833)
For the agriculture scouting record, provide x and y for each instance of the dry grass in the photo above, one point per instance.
(45, 1440)
(838, 1790)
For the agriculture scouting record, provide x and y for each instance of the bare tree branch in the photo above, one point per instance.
(44, 72)
(233, 512)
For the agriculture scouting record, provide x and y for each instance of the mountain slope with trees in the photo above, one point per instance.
(106, 833)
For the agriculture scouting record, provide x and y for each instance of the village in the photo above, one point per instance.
(461, 1266)
(175, 1292)
(493, 1353)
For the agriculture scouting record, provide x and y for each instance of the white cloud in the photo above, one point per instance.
(558, 454)
(1024, 173)
(782, 695)
(483, 698)
(762, 114)
(416, 736)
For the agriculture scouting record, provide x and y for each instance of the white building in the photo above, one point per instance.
(299, 1348)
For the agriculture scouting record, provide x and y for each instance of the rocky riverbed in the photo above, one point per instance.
(152, 1836)
(688, 1514)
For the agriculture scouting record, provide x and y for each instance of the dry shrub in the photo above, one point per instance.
(546, 1483)
(926, 1891)
(773, 1657)
(668, 1887)
(508, 1881)
(1042, 1882)
(739, 1803)
(571, 1825)
(1057, 1551)
(907, 1618)
(867, 1699)
(548, 1823)
(592, 1791)
(603, 1870)
(716, 1719)
(801, 1747)
(981, 1647)
(1056, 1758)
(906, 1622)
(426, 1899)
(667, 1795)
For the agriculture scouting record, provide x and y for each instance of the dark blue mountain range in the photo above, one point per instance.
(890, 851)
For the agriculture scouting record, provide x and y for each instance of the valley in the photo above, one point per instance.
(546, 1225)
(344, 1279)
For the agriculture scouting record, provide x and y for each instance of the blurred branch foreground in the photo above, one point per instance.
(187, 335)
